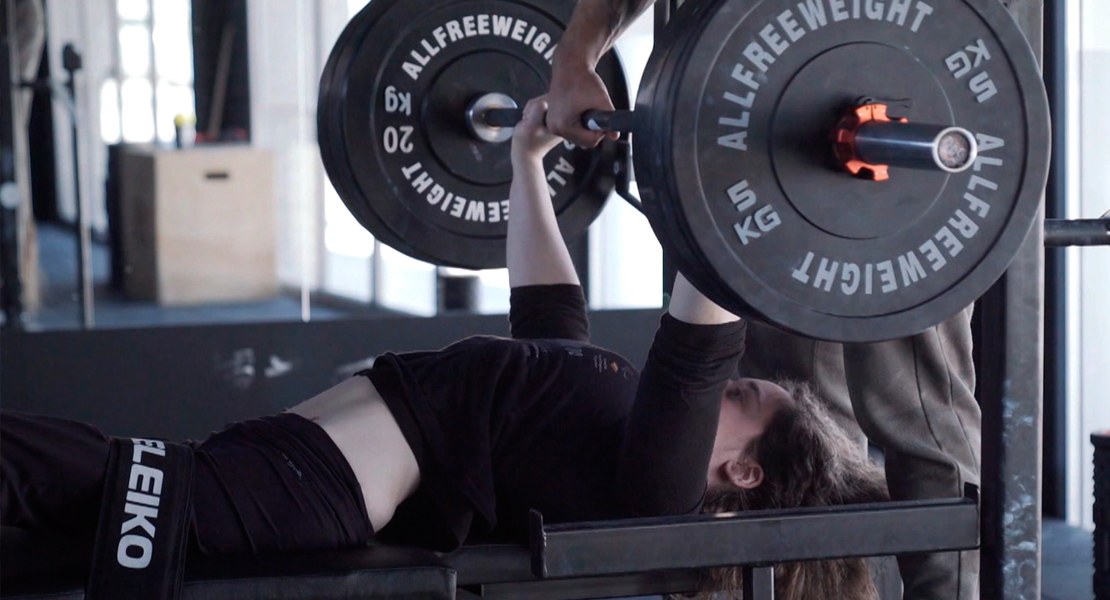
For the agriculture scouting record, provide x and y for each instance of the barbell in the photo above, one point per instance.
(850, 170)
(866, 141)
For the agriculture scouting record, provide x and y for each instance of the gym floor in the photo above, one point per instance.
(61, 308)
(1067, 562)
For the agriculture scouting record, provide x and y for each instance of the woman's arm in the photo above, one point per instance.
(690, 306)
(546, 300)
(665, 458)
(537, 254)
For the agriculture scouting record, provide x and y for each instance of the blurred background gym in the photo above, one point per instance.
(255, 273)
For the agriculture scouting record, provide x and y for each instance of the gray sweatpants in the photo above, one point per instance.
(914, 398)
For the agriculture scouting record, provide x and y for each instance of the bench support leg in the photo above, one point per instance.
(759, 583)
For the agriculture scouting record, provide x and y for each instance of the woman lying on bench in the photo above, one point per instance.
(434, 448)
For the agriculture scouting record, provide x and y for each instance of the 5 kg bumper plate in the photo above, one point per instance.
(740, 150)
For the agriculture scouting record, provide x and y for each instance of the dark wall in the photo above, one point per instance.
(182, 382)
(211, 19)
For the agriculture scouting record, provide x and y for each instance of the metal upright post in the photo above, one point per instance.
(11, 288)
(71, 62)
(1011, 392)
(1055, 63)
(663, 11)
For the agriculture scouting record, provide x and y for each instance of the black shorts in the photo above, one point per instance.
(264, 485)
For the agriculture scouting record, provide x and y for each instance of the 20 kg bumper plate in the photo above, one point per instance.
(394, 135)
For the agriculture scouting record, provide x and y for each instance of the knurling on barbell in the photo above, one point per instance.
(596, 120)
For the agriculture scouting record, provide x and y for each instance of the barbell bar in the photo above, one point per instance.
(923, 146)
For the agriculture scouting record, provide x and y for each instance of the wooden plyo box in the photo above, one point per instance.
(198, 225)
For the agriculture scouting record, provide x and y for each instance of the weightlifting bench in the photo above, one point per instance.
(567, 561)
(45, 567)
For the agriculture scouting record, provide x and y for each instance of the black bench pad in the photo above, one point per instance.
(41, 567)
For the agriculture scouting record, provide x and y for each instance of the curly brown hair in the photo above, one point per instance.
(807, 460)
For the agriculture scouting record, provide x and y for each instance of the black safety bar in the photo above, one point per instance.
(664, 555)
(753, 537)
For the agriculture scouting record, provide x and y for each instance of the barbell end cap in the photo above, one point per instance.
(477, 124)
(955, 150)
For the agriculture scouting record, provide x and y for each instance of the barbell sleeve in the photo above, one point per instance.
(916, 146)
(1076, 232)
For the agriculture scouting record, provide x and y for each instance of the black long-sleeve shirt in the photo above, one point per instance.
(546, 421)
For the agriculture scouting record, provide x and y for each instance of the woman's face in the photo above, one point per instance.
(747, 406)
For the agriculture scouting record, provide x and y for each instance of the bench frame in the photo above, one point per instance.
(665, 555)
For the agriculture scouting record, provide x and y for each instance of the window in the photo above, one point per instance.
(1087, 123)
(153, 78)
